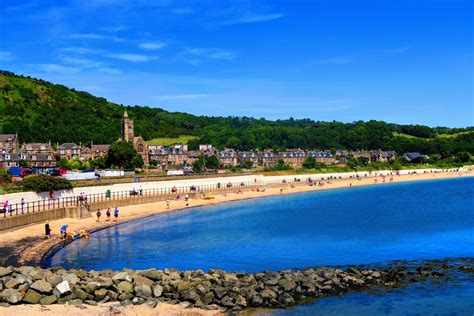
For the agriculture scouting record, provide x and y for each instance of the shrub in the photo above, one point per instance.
(45, 183)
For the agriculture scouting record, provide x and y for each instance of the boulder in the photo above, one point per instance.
(62, 288)
(92, 286)
(125, 286)
(100, 294)
(5, 271)
(154, 275)
(11, 296)
(122, 276)
(48, 300)
(42, 286)
(138, 279)
(54, 279)
(219, 291)
(157, 290)
(71, 278)
(32, 297)
(143, 291)
(185, 304)
(80, 294)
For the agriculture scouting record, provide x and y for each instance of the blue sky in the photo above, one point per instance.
(402, 61)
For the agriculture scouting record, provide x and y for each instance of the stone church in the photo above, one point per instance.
(128, 135)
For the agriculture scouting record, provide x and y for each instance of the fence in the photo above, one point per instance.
(19, 209)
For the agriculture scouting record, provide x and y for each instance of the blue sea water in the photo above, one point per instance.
(373, 224)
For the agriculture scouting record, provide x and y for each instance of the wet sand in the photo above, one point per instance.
(27, 245)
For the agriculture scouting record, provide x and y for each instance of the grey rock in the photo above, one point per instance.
(219, 291)
(138, 279)
(48, 300)
(71, 278)
(268, 294)
(75, 302)
(227, 302)
(125, 297)
(151, 303)
(42, 286)
(5, 271)
(32, 297)
(90, 302)
(143, 291)
(11, 296)
(54, 279)
(80, 294)
(185, 304)
(92, 286)
(100, 294)
(157, 290)
(138, 300)
(122, 276)
(154, 275)
(125, 286)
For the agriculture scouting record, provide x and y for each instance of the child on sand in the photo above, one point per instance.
(116, 213)
(98, 214)
(168, 203)
(108, 214)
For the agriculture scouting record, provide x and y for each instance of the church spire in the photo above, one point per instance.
(125, 114)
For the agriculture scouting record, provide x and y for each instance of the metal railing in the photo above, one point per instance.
(18, 209)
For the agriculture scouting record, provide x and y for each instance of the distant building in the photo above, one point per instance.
(9, 143)
(415, 157)
(128, 135)
(9, 160)
(293, 157)
(37, 148)
(382, 156)
(69, 151)
(99, 151)
(227, 158)
(205, 147)
(322, 156)
(268, 158)
(244, 156)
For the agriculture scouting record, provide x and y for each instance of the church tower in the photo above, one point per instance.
(127, 128)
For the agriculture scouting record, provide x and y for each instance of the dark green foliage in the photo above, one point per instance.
(206, 162)
(279, 166)
(45, 183)
(247, 164)
(40, 111)
(123, 155)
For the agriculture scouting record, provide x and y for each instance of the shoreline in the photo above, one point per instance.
(28, 246)
(32, 250)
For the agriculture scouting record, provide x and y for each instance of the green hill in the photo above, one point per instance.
(40, 111)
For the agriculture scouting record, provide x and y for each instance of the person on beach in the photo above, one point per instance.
(98, 214)
(108, 214)
(47, 230)
(168, 203)
(64, 231)
(22, 205)
(186, 198)
(116, 213)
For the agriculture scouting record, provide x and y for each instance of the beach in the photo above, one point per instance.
(27, 245)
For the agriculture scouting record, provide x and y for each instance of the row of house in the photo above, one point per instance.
(43, 155)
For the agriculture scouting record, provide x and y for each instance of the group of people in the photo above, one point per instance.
(64, 233)
(108, 214)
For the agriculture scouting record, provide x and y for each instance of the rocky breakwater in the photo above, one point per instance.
(215, 289)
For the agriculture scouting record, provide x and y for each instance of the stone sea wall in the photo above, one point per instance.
(215, 289)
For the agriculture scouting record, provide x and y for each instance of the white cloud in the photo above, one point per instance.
(152, 45)
(58, 68)
(197, 55)
(254, 18)
(336, 61)
(94, 36)
(6, 56)
(134, 58)
(112, 28)
(182, 96)
(82, 50)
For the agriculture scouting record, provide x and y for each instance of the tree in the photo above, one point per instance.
(63, 163)
(212, 162)
(123, 155)
(309, 163)
(45, 183)
(23, 163)
(463, 156)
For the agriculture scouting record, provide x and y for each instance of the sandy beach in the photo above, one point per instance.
(27, 245)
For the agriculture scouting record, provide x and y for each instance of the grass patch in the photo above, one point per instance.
(454, 135)
(168, 141)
